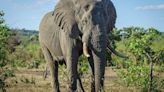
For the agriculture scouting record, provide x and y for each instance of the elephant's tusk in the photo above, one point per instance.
(85, 50)
(109, 48)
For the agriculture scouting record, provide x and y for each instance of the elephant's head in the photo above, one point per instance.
(94, 23)
(95, 18)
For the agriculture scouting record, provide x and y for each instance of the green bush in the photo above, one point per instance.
(4, 36)
(82, 65)
(19, 58)
(137, 76)
(29, 56)
(136, 71)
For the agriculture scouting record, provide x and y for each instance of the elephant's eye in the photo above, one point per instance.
(86, 8)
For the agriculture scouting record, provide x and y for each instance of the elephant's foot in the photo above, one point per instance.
(69, 89)
(92, 83)
(55, 90)
(80, 90)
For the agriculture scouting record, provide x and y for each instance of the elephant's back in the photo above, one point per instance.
(44, 28)
(47, 27)
(46, 21)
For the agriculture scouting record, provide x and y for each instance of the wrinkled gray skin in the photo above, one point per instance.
(73, 28)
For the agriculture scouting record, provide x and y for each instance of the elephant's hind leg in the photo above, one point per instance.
(53, 68)
(45, 73)
(79, 84)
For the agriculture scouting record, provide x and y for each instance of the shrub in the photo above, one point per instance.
(138, 69)
(4, 36)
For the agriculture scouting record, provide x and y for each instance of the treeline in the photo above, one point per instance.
(24, 32)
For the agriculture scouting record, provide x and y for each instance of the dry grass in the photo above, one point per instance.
(32, 81)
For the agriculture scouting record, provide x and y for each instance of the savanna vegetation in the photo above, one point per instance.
(21, 61)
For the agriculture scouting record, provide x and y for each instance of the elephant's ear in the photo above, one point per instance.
(64, 17)
(111, 14)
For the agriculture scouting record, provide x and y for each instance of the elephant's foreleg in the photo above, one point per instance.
(72, 75)
(53, 68)
(70, 52)
(91, 64)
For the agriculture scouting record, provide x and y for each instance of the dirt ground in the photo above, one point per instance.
(32, 81)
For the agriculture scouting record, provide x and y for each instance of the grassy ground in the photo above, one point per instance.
(32, 81)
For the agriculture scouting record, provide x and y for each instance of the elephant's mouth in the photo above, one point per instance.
(109, 48)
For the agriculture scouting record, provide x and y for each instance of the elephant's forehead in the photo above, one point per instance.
(85, 2)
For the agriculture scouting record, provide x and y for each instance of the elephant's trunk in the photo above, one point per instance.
(98, 49)
(85, 50)
(99, 64)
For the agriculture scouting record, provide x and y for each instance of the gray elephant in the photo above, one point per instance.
(73, 28)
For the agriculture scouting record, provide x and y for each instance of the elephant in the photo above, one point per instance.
(73, 28)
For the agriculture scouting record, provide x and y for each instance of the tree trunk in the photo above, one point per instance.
(151, 77)
(151, 73)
